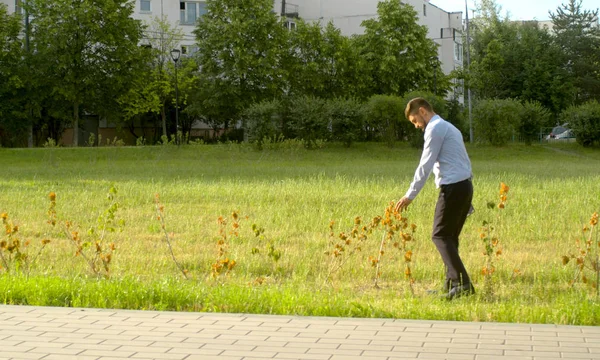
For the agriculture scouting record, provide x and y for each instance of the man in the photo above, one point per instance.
(444, 152)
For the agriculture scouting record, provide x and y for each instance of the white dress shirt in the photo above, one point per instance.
(444, 152)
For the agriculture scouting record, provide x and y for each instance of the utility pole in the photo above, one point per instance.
(30, 127)
(468, 68)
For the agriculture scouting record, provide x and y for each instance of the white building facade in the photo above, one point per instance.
(445, 28)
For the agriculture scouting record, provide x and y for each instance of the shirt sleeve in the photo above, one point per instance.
(431, 151)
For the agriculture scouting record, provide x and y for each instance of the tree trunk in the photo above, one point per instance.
(164, 121)
(30, 136)
(76, 124)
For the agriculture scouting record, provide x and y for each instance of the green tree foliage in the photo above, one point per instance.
(322, 62)
(306, 120)
(584, 121)
(532, 118)
(152, 89)
(383, 114)
(85, 49)
(578, 37)
(11, 52)
(496, 121)
(240, 52)
(520, 61)
(347, 120)
(397, 52)
(262, 121)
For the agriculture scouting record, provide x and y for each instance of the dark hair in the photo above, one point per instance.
(414, 105)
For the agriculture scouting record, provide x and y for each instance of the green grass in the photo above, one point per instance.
(294, 193)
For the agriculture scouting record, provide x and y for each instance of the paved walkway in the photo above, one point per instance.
(28, 332)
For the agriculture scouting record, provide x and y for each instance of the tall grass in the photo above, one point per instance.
(294, 194)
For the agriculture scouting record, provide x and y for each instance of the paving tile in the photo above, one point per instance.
(545, 354)
(56, 351)
(209, 357)
(496, 357)
(580, 356)
(335, 352)
(318, 345)
(195, 351)
(253, 354)
(445, 356)
(69, 357)
(22, 355)
(302, 356)
(151, 355)
(157, 350)
(108, 353)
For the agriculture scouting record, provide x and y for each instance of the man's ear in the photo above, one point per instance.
(422, 111)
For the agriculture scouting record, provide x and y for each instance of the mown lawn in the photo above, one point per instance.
(293, 194)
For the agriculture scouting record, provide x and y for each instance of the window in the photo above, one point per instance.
(290, 25)
(191, 11)
(145, 6)
(188, 49)
(458, 52)
(424, 10)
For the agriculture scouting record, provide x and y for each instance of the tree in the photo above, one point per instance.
(86, 49)
(322, 62)
(518, 61)
(579, 41)
(240, 51)
(11, 53)
(397, 52)
(153, 88)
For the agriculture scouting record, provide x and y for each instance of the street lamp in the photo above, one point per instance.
(175, 53)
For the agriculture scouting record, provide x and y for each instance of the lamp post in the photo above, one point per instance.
(175, 53)
(434, 59)
(468, 69)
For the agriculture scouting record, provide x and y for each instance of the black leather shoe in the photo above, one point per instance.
(460, 290)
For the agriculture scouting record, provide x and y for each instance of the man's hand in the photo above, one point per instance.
(402, 204)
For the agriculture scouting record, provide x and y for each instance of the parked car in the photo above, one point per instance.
(559, 130)
(565, 135)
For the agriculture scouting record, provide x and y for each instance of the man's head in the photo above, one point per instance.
(418, 111)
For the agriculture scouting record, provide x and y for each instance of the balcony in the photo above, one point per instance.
(291, 11)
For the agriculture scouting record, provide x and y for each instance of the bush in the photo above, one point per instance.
(494, 121)
(456, 116)
(347, 120)
(533, 116)
(408, 131)
(383, 114)
(584, 121)
(307, 120)
(262, 121)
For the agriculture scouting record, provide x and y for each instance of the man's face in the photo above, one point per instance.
(417, 120)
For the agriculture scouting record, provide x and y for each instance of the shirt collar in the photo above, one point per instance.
(433, 118)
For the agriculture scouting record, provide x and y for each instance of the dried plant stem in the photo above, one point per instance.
(597, 276)
(379, 258)
(335, 267)
(80, 252)
(35, 258)
(161, 216)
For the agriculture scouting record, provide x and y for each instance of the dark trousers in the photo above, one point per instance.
(451, 212)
